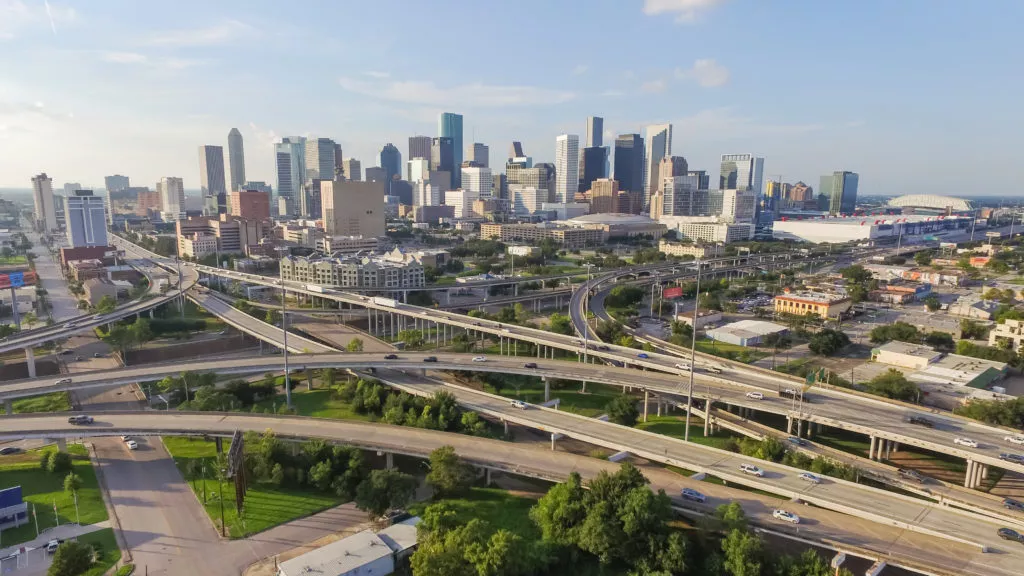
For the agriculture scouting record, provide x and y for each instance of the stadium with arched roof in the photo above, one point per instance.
(932, 202)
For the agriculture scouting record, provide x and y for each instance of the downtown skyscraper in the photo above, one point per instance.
(629, 163)
(290, 172)
(840, 188)
(391, 162)
(320, 160)
(236, 159)
(658, 141)
(567, 163)
(449, 125)
(211, 180)
(741, 172)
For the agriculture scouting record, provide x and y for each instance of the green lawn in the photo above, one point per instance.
(55, 402)
(43, 490)
(572, 400)
(111, 553)
(494, 506)
(727, 350)
(675, 426)
(266, 506)
(317, 402)
(13, 260)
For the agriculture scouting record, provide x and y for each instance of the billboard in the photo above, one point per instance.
(674, 292)
(17, 279)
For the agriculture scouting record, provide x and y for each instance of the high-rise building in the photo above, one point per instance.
(339, 162)
(567, 162)
(116, 183)
(739, 206)
(479, 153)
(147, 202)
(376, 174)
(629, 162)
(426, 193)
(70, 187)
(211, 180)
(391, 162)
(442, 155)
(353, 169)
(290, 172)
(418, 170)
(595, 132)
(86, 219)
(449, 125)
(841, 189)
(42, 198)
(499, 186)
(658, 142)
(172, 198)
(679, 195)
(672, 166)
(604, 196)
(526, 200)
(353, 208)
(741, 172)
(309, 201)
(478, 180)
(419, 147)
(594, 161)
(236, 159)
(462, 200)
(703, 179)
(515, 149)
(250, 204)
(320, 161)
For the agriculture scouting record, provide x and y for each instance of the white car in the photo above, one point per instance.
(755, 395)
(1019, 440)
(790, 392)
(808, 477)
(479, 359)
(132, 445)
(752, 470)
(684, 367)
(520, 404)
(125, 438)
(780, 514)
(965, 442)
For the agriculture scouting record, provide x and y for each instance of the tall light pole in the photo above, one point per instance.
(284, 329)
(693, 358)
(586, 313)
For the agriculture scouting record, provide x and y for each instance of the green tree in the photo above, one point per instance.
(942, 340)
(732, 516)
(72, 483)
(855, 273)
(384, 490)
(448, 475)
(355, 345)
(893, 384)
(743, 553)
(622, 410)
(106, 305)
(932, 303)
(828, 341)
(71, 559)
(504, 554)
(923, 258)
(58, 462)
(898, 331)
(561, 511)
(560, 324)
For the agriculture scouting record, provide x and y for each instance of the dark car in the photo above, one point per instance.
(391, 356)
(921, 421)
(643, 355)
(80, 419)
(1015, 458)
(911, 475)
(603, 348)
(430, 359)
(8, 450)
(393, 516)
(530, 365)
(617, 363)
(797, 441)
(1008, 534)
(1011, 504)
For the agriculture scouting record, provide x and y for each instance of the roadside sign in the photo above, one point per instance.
(674, 292)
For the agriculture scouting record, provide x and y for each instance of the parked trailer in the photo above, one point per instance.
(315, 288)
(389, 302)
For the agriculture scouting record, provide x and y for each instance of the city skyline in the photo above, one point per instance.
(857, 108)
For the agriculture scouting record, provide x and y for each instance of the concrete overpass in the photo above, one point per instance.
(939, 540)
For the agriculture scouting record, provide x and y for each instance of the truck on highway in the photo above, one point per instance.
(315, 288)
(389, 302)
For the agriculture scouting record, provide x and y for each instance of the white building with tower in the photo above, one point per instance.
(567, 167)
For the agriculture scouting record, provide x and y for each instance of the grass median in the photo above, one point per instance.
(105, 541)
(266, 505)
(44, 491)
(55, 402)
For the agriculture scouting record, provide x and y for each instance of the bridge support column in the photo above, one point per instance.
(646, 403)
(583, 388)
(30, 361)
(505, 422)
(871, 450)
(799, 428)
(487, 476)
(389, 460)
(984, 472)
(219, 444)
(309, 379)
(789, 425)
(969, 474)
(552, 441)
(547, 388)
(888, 449)
(8, 406)
(62, 444)
(895, 447)
(659, 406)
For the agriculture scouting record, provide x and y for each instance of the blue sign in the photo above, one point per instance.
(17, 279)
(10, 497)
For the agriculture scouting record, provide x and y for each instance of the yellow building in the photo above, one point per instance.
(817, 303)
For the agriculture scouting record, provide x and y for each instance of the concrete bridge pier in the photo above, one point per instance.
(30, 361)
(871, 449)
(62, 444)
(8, 406)
(552, 441)
(505, 423)
(789, 425)
(646, 403)
(547, 388)
(389, 460)
(799, 428)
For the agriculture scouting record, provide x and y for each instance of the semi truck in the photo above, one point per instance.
(389, 302)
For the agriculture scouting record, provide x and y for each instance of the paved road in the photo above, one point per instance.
(941, 555)
(253, 326)
(65, 305)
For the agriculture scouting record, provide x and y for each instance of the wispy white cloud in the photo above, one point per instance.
(725, 124)
(706, 72)
(612, 93)
(18, 17)
(30, 111)
(222, 33)
(377, 74)
(161, 62)
(580, 70)
(656, 86)
(467, 95)
(266, 137)
(686, 11)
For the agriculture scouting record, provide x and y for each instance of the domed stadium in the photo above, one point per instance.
(932, 202)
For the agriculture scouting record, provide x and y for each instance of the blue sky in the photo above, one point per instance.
(918, 96)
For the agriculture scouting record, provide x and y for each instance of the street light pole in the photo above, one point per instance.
(586, 314)
(284, 329)
(693, 358)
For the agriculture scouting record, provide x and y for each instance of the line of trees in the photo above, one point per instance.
(439, 412)
(905, 332)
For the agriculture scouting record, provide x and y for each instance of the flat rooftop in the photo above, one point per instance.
(749, 328)
(908, 349)
(339, 557)
(814, 297)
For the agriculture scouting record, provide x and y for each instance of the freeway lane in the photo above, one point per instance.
(246, 323)
(886, 541)
(882, 419)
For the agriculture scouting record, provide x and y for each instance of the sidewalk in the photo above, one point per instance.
(62, 532)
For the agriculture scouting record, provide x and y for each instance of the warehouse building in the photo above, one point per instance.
(820, 304)
(745, 332)
(866, 228)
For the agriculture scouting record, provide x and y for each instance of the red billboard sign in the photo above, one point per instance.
(17, 279)
(674, 292)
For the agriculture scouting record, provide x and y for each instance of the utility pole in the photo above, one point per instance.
(693, 357)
